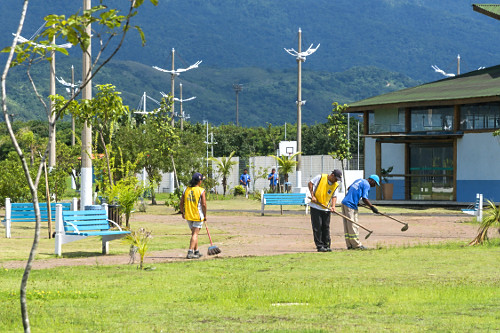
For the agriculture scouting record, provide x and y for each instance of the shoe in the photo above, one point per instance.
(191, 255)
(197, 253)
(328, 249)
(322, 249)
(361, 247)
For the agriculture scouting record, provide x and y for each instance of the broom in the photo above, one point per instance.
(213, 249)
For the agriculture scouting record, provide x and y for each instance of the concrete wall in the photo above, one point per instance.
(478, 171)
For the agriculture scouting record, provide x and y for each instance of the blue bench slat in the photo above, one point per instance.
(85, 222)
(85, 212)
(24, 212)
(99, 233)
(42, 205)
(284, 198)
(85, 218)
(87, 228)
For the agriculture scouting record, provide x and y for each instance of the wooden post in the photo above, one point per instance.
(456, 118)
(378, 165)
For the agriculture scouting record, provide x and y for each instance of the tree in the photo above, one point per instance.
(74, 30)
(491, 220)
(158, 143)
(102, 113)
(127, 190)
(286, 164)
(224, 166)
(337, 122)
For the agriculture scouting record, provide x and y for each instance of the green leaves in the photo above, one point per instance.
(224, 166)
(338, 132)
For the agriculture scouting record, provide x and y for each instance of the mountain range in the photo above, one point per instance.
(367, 48)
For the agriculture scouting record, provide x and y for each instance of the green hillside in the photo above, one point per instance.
(364, 45)
(267, 96)
(406, 36)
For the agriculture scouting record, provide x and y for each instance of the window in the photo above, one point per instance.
(431, 171)
(480, 116)
(432, 119)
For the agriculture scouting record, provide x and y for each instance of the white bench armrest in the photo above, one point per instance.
(74, 226)
(115, 224)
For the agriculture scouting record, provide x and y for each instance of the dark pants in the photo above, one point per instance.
(320, 221)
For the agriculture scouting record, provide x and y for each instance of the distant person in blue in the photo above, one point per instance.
(273, 180)
(358, 190)
(245, 181)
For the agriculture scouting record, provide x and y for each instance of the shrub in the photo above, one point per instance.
(174, 199)
(239, 190)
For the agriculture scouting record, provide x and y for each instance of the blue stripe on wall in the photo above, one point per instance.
(467, 189)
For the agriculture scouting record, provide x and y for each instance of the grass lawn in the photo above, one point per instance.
(444, 288)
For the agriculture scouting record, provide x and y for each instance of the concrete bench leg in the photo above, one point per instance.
(262, 205)
(8, 214)
(59, 231)
(105, 247)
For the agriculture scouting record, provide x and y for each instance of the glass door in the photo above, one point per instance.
(431, 171)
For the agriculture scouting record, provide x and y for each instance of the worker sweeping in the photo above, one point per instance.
(358, 190)
(323, 200)
(193, 207)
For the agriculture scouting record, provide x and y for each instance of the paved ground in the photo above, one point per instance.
(290, 233)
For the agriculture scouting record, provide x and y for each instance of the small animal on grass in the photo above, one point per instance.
(132, 252)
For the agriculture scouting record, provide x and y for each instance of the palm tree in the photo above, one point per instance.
(224, 166)
(492, 220)
(286, 164)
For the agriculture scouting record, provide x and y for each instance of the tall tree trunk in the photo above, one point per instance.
(107, 158)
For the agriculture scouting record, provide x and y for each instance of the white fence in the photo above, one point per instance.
(257, 166)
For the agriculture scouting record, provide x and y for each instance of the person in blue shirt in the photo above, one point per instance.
(358, 190)
(245, 181)
(273, 180)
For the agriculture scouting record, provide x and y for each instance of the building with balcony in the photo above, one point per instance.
(438, 137)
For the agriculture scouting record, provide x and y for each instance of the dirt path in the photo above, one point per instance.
(274, 235)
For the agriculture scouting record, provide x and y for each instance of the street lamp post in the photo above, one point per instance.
(237, 89)
(86, 173)
(175, 72)
(300, 57)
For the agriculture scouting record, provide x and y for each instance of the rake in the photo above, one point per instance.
(348, 219)
(213, 249)
(404, 228)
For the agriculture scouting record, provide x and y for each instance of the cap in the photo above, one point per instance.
(337, 173)
(376, 179)
(198, 176)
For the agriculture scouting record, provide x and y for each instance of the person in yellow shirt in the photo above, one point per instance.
(322, 189)
(193, 207)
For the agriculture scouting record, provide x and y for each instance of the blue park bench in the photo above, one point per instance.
(281, 199)
(76, 225)
(24, 212)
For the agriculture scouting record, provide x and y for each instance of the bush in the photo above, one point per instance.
(174, 199)
(239, 190)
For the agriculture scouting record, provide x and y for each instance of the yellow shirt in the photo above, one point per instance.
(192, 204)
(324, 191)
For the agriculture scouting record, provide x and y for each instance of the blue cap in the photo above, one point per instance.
(376, 179)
